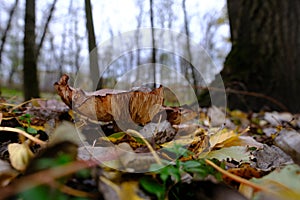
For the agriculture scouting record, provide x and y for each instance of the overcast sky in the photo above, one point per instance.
(120, 15)
(116, 16)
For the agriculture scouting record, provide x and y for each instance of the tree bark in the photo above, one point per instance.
(93, 56)
(265, 53)
(31, 84)
(153, 59)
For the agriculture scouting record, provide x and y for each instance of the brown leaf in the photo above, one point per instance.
(140, 106)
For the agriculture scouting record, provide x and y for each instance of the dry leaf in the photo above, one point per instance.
(159, 132)
(237, 153)
(242, 141)
(108, 105)
(221, 136)
(19, 155)
(289, 141)
(130, 190)
(226, 138)
(270, 157)
(7, 173)
(282, 183)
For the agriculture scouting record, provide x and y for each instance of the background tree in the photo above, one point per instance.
(31, 84)
(32, 49)
(93, 52)
(194, 80)
(265, 53)
(153, 58)
(5, 34)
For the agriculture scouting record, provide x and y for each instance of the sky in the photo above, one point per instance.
(116, 17)
(119, 15)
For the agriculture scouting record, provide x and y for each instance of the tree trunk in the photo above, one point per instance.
(188, 49)
(153, 60)
(265, 54)
(93, 56)
(31, 84)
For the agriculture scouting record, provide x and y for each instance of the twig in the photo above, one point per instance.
(247, 93)
(16, 130)
(25, 102)
(237, 178)
(157, 159)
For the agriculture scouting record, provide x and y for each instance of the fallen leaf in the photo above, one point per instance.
(66, 131)
(7, 173)
(270, 157)
(246, 171)
(289, 142)
(275, 118)
(283, 183)
(242, 141)
(130, 190)
(19, 155)
(140, 106)
(221, 136)
(237, 153)
(159, 132)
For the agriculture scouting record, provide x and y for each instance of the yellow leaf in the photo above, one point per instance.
(129, 190)
(221, 136)
(19, 155)
(238, 114)
(246, 190)
(242, 141)
(226, 138)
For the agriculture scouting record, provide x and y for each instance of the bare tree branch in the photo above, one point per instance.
(4, 36)
(40, 44)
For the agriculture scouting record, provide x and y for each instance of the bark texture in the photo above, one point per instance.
(31, 84)
(265, 54)
(93, 57)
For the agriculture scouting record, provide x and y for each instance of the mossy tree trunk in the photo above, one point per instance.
(265, 54)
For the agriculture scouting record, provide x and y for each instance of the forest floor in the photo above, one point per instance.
(48, 151)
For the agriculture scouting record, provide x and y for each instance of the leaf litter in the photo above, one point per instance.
(163, 150)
